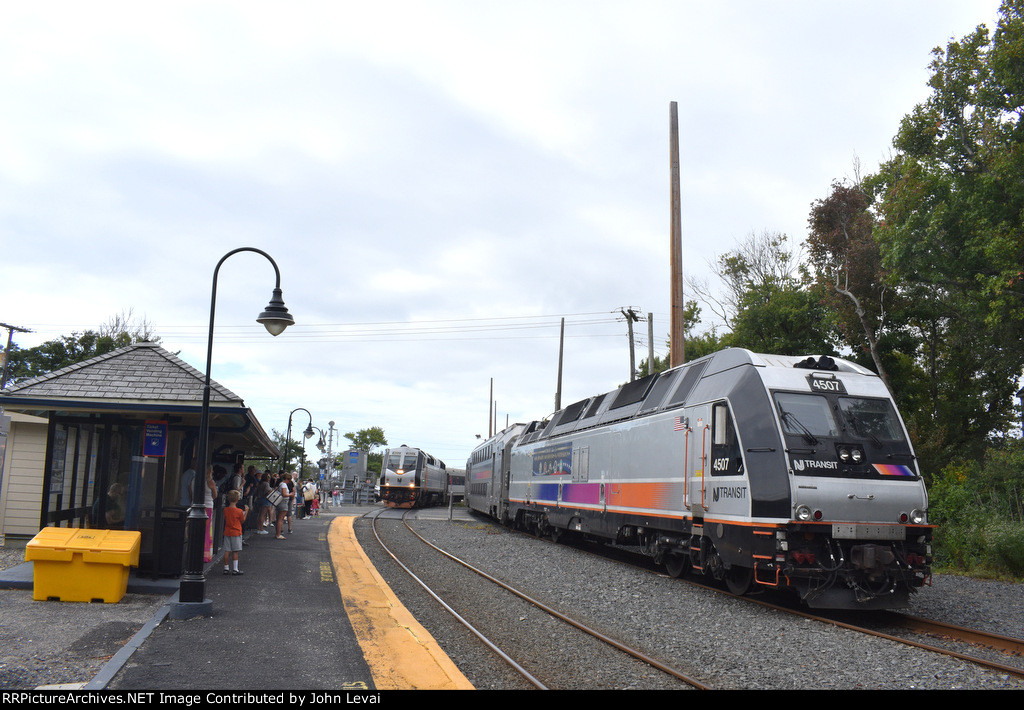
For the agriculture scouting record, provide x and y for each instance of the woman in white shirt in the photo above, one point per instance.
(282, 507)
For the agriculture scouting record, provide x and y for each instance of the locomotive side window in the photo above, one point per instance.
(725, 446)
(690, 377)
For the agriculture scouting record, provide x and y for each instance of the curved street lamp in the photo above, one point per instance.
(322, 444)
(192, 590)
(308, 433)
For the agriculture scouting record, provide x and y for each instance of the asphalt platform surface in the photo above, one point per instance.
(280, 625)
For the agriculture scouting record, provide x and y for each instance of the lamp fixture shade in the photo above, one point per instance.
(275, 317)
(309, 432)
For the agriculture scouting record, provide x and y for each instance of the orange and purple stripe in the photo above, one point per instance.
(893, 470)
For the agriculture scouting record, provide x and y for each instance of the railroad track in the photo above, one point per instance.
(993, 651)
(515, 645)
(989, 650)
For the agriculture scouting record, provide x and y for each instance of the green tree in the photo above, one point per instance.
(848, 267)
(120, 331)
(367, 439)
(697, 346)
(766, 301)
(291, 451)
(950, 205)
(783, 318)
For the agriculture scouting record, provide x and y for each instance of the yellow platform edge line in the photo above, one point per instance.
(400, 653)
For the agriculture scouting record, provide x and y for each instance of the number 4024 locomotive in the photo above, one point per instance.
(765, 471)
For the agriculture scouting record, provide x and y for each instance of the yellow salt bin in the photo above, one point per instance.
(80, 565)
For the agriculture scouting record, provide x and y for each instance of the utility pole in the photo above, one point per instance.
(650, 343)
(677, 338)
(330, 454)
(490, 412)
(631, 318)
(11, 330)
(561, 350)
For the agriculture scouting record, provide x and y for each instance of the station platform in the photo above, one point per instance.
(308, 613)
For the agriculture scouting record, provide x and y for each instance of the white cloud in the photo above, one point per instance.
(438, 181)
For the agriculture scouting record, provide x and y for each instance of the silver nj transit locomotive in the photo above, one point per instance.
(412, 478)
(765, 471)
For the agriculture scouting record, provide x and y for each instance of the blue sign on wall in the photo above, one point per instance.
(155, 442)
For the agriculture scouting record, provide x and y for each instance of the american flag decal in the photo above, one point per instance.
(680, 425)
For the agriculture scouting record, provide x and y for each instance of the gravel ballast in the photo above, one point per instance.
(727, 643)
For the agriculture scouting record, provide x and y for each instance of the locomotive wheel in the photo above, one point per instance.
(676, 565)
(738, 579)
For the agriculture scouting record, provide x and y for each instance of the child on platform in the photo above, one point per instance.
(234, 519)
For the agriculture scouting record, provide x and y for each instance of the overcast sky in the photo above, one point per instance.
(439, 182)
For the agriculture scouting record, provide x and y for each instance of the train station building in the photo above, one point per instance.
(108, 443)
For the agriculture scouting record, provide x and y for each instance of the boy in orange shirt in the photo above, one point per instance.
(234, 518)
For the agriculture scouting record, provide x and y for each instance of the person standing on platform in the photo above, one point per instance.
(308, 494)
(282, 507)
(265, 509)
(211, 493)
(234, 519)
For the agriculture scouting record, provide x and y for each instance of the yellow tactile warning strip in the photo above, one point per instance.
(401, 654)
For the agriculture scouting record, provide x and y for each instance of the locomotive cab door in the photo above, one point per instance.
(698, 443)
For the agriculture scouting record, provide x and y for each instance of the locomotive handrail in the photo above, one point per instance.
(704, 465)
(686, 468)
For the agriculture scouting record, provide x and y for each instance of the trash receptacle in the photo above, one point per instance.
(171, 544)
(78, 565)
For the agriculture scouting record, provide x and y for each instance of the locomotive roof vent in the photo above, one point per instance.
(822, 363)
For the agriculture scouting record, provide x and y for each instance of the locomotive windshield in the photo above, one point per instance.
(871, 418)
(806, 415)
(842, 435)
(411, 462)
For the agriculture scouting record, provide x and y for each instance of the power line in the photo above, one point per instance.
(412, 330)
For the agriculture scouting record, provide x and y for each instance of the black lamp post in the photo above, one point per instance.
(192, 590)
(288, 436)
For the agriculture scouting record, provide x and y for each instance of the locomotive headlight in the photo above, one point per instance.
(803, 512)
(918, 517)
(857, 455)
(844, 455)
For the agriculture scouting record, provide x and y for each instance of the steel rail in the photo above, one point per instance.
(628, 650)
(1006, 644)
(984, 663)
(476, 632)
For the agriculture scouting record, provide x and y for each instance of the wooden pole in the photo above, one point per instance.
(631, 318)
(561, 350)
(677, 340)
(650, 343)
